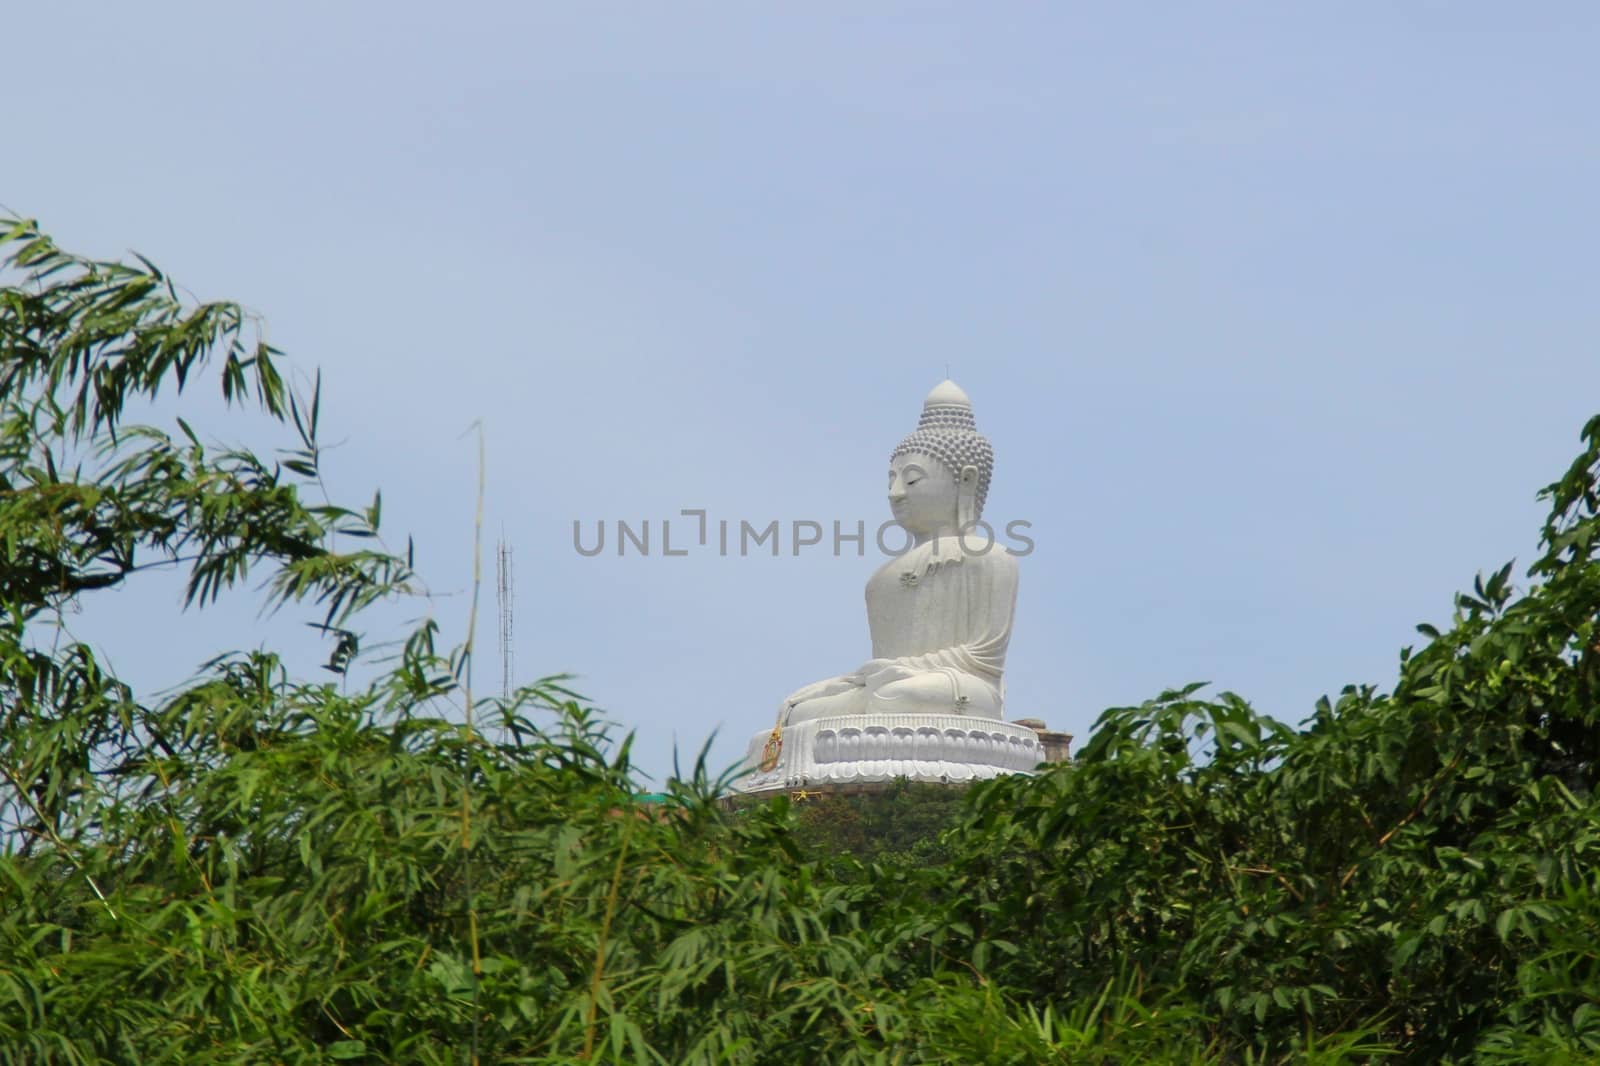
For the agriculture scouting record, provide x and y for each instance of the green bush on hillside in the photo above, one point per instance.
(902, 822)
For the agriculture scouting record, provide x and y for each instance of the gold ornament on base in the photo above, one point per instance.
(770, 753)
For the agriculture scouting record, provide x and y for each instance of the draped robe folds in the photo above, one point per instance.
(940, 618)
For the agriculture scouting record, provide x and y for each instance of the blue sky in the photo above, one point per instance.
(1277, 315)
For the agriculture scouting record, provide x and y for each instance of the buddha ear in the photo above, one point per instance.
(966, 498)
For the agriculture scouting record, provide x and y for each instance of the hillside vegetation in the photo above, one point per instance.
(382, 866)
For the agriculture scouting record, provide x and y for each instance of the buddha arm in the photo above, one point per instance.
(829, 687)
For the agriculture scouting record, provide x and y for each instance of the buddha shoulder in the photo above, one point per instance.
(945, 553)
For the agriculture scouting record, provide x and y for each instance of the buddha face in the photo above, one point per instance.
(922, 495)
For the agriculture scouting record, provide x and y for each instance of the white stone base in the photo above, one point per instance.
(868, 749)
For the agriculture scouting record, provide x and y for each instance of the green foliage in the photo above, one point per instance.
(1425, 861)
(898, 824)
(257, 867)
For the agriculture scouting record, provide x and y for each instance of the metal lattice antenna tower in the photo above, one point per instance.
(504, 587)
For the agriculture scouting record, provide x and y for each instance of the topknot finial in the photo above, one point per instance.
(947, 393)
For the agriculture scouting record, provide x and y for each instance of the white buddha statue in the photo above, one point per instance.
(928, 705)
(940, 615)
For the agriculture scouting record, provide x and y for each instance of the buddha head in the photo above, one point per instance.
(939, 475)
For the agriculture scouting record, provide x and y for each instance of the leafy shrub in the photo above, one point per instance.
(900, 823)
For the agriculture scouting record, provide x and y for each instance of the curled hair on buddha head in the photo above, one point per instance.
(948, 432)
